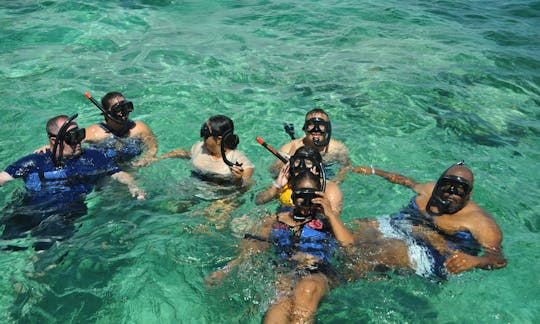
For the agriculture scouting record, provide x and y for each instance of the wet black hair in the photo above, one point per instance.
(223, 126)
(105, 101)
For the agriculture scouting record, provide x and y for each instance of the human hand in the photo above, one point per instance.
(42, 149)
(325, 204)
(138, 193)
(237, 172)
(283, 176)
(144, 162)
(460, 262)
(216, 277)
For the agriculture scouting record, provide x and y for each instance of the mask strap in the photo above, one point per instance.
(59, 141)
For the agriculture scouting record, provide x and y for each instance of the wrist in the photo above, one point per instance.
(276, 185)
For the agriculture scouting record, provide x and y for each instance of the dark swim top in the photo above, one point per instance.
(460, 240)
(119, 147)
(59, 189)
(315, 239)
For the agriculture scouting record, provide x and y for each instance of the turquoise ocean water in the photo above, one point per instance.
(411, 86)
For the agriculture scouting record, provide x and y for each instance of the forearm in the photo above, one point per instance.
(175, 154)
(341, 232)
(267, 195)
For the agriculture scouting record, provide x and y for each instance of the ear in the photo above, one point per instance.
(219, 139)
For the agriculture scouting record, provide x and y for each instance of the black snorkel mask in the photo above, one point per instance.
(117, 111)
(318, 125)
(301, 199)
(72, 138)
(302, 162)
(448, 185)
(228, 139)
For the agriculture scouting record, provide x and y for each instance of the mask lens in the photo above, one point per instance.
(205, 131)
(302, 197)
(315, 125)
(453, 187)
(75, 136)
(122, 108)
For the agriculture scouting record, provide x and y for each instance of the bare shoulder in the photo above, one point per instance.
(95, 133)
(141, 127)
(292, 146)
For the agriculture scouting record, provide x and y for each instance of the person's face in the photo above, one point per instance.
(316, 128)
(212, 143)
(71, 141)
(119, 108)
(454, 190)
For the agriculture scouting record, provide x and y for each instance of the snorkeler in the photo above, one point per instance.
(304, 240)
(215, 158)
(57, 182)
(117, 136)
(318, 134)
(305, 158)
(444, 230)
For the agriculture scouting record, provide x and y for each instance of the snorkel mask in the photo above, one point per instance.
(117, 112)
(72, 138)
(302, 162)
(318, 125)
(228, 139)
(304, 208)
(446, 186)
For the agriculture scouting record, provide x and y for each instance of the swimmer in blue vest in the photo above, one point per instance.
(57, 182)
(318, 134)
(124, 140)
(305, 158)
(304, 240)
(442, 231)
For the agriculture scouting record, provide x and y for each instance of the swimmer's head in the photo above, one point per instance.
(304, 187)
(65, 137)
(452, 191)
(317, 127)
(117, 107)
(223, 126)
(307, 158)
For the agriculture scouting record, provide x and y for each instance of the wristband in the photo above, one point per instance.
(275, 184)
(372, 169)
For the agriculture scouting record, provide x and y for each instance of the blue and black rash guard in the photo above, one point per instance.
(314, 238)
(119, 146)
(55, 189)
(460, 240)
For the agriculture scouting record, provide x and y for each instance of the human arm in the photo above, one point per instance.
(392, 177)
(249, 246)
(5, 177)
(150, 144)
(488, 234)
(275, 188)
(341, 233)
(125, 178)
(42, 149)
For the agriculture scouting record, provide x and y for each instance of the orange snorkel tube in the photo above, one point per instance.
(271, 149)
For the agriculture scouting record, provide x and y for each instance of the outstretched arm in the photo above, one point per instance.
(127, 179)
(392, 177)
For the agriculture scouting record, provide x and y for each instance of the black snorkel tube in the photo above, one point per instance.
(226, 138)
(105, 112)
(59, 141)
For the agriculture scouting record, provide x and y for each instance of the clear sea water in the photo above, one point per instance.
(411, 86)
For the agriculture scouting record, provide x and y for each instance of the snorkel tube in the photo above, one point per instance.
(105, 112)
(59, 141)
(226, 138)
(271, 149)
